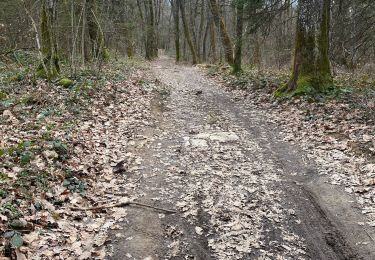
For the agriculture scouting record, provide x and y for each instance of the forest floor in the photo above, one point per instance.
(249, 178)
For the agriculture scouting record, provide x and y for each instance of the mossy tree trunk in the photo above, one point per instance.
(256, 59)
(127, 22)
(187, 32)
(311, 67)
(130, 50)
(94, 30)
(48, 40)
(225, 39)
(129, 41)
(239, 31)
(129, 29)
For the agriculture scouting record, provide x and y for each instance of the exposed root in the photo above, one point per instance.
(124, 204)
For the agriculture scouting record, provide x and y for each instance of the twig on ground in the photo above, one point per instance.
(124, 204)
(117, 193)
(370, 236)
(138, 180)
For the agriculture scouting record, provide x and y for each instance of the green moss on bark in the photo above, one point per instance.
(311, 67)
(49, 46)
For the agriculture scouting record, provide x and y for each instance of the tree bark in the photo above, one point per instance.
(187, 32)
(239, 31)
(94, 30)
(311, 67)
(151, 44)
(213, 40)
(48, 40)
(201, 32)
(176, 18)
(225, 39)
(204, 43)
(37, 39)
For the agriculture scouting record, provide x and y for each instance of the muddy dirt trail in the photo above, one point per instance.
(239, 192)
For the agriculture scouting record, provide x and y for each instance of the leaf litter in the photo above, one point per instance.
(219, 178)
(337, 132)
(64, 149)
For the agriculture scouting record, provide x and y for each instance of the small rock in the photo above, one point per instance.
(119, 235)
(198, 230)
(224, 137)
(18, 224)
(198, 143)
(50, 154)
(7, 114)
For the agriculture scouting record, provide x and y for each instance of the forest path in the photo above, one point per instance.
(239, 191)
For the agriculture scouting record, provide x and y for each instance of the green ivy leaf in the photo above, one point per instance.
(25, 158)
(16, 241)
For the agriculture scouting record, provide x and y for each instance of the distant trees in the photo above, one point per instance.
(316, 35)
(353, 33)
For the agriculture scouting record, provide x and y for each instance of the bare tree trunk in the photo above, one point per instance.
(201, 29)
(151, 44)
(213, 40)
(239, 32)
(204, 43)
(176, 17)
(193, 13)
(84, 51)
(187, 32)
(225, 39)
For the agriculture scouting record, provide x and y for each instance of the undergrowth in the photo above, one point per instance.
(348, 88)
(37, 118)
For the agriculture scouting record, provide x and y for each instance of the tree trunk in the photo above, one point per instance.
(201, 33)
(48, 40)
(187, 32)
(225, 39)
(204, 43)
(193, 13)
(213, 40)
(311, 68)
(257, 52)
(151, 40)
(176, 18)
(239, 32)
(94, 30)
